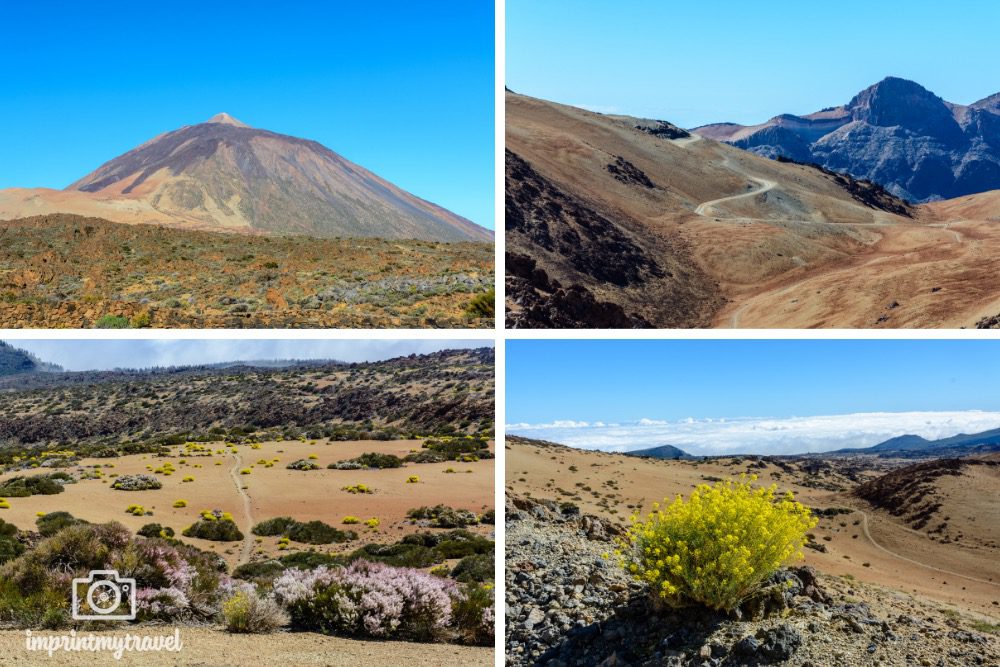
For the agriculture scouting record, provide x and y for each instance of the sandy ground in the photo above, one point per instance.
(272, 492)
(965, 575)
(214, 648)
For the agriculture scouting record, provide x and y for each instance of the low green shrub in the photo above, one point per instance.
(274, 527)
(156, 530)
(112, 322)
(310, 532)
(472, 615)
(482, 305)
(442, 516)
(376, 460)
(260, 571)
(10, 547)
(308, 560)
(317, 532)
(219, 530)
(476, 568)
(37, 485)
(53, 522)
(398, 555)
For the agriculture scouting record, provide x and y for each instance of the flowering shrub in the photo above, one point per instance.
(473, 614)
(413, 479)
(716, 547)
(373, 523)
(351, 519)
(180, 503)
(173, 582)
(442, 516)
(136, 510)
(302, 464)
(137, 483)
(188, 479)
(369, 460)
(358, 488)
(245, 611)
(368, 599)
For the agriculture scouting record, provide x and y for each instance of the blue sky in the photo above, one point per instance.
(404, 89)
(76, 355)
(778, 396)
(694, 62)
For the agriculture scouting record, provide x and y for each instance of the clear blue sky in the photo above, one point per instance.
(694, 62)
(403, 88)
(674, 380)
(77, 355)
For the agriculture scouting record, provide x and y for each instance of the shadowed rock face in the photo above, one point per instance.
(232, 175)
(895, 133)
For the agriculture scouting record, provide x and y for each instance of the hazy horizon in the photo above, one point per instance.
(773, 396)
(81, 355)
(759, 435)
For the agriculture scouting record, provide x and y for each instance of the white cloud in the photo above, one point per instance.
(792, 435)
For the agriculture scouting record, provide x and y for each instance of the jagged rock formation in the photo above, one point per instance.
(895, 133)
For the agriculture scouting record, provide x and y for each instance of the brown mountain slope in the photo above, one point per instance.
(949, 499)
(225, 175)
(612, 224)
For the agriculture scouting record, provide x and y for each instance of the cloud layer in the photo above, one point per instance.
(792, 435)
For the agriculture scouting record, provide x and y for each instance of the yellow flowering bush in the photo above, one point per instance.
(716, 547)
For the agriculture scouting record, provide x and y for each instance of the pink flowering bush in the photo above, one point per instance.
(173, 582)
(368, 599)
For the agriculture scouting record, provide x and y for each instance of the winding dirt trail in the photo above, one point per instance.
(765, 185)
(864, 525)
(247, 545)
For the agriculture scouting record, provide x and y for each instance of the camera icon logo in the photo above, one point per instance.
(103, 596)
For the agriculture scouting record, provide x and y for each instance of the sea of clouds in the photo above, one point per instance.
(755, 435)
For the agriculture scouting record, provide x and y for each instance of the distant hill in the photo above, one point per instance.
(661, 452)
(15, 361)
(914, 446)
(450, 391)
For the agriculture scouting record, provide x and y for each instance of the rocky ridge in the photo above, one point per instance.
(895, 133)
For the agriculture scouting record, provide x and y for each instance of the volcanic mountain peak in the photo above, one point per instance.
(226, 175)
(226, 119)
